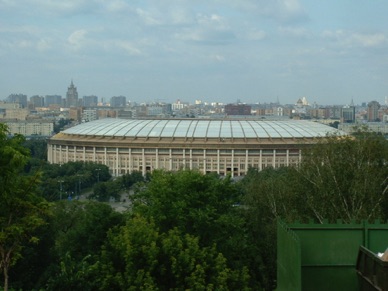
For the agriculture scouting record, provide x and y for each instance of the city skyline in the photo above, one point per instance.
(255, 51)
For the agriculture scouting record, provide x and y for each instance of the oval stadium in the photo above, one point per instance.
(211, 146)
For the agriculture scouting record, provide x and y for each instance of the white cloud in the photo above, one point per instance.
(212, 20)
(255, 34)
(283, 11)
(218, 58)
(147, 17)
(297, 32)
(207, 36)
(369, 40)
(43, 44)
(349, 39)
(77, 38)
(208, 29)
(117, 6)
(128, 47)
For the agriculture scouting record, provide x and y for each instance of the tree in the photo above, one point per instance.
(80, 229)
(345, 177)
(140, 257)
(203, 206)
(192, 202)
(71, 177)
(128, 180)
(341, 177)
(104, 191)
(269, 194)
(21, 211)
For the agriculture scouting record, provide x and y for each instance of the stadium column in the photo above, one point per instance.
(50, 153)
(274, 159)
(94, 154)
(261, 160)
(84, 154)
(157, 158)
(232, 164)
(184, 158)
(60, 155)
(67, 154)
(117, 161)
(170, 166)
(130, 160)
(143, 162)
(105, 157)
(246, 161)
(287, 157)
(54, 154)
(204, 161)
(218, 161)
(191, 159)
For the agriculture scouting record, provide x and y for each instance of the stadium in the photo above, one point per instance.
(211, 146)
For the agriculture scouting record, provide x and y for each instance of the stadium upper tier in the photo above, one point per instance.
(194, 128)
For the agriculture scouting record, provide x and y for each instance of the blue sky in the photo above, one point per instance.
(256, 51)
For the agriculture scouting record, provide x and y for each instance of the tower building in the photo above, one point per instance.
(373, 109)
(72, 96)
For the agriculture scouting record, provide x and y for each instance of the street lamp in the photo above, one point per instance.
(60, 189)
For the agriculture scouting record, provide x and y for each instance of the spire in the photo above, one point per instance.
(352, 103)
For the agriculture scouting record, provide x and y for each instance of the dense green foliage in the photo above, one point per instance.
(71, 179)
(21, 210)
(149, 259)
(201, 206)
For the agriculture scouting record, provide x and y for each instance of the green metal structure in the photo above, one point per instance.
(372, 271)
(323, 256)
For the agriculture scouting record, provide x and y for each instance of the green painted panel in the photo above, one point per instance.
(378, 239)
(329, 246)
(329, 278)
(289, 259)
(328, 254)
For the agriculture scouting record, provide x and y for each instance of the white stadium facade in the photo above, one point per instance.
(211, 146)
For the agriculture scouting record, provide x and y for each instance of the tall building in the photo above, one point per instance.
(72, 96)
(89, 101)
(52, 100)
(348, 114)
(18, 98)
(118, 101)
(37, 101)
(373, 111)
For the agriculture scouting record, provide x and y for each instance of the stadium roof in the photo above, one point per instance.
(194, 128)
